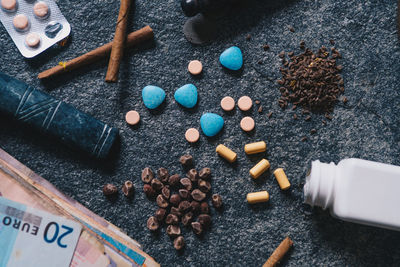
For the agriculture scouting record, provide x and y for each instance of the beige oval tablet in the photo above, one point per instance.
(245, 103)
(41, 9)
(21, 22)
(192, 135)
(247, 124)
(227, 103)
(195, 67)
(132, 117)
(9, 4)
(32, 39)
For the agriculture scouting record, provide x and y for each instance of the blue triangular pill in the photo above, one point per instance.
(211, 124)
(232, 58)
(152, 96)
(186, 95)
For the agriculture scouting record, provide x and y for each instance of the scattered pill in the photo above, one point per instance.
(132, 117)
(41, 9)
(211, 124)
(227, 103)
(32, 39)
(186, 95)
(226, 153)
(247, 124)
(259, 168)
(282, 179)
(232, 58)
(9, 5)
(153, 96)
(257, 197)
(254, 148)
(21, 22)
(195, 67)
(192, 135)
(245, 103)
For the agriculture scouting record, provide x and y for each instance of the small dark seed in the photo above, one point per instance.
(166, 192)
(198, 195)
(163, 174)
(184, 206)
(128, 188)
(109, 189)
(175, 199)
(197, 228)
(204, 219)
(291, 29)
(204, 208)
(172, 219)
(216, 201)
(187, 218)
(179, 243)
(186, 160)
(161, 202)
(195, 206)
(176, 211)
(193, 175)
(184, 193)
(205, 173)
(173, 231)
(147, 175)
(149, 191)
(204, 186)
(156, 184)
(265, 47)
(152, 223)
(173, 180)
(259, 62)
(186, 183)
(160, 214)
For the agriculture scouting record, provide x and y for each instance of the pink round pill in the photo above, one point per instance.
(247, 124)
(32, 39)
(192, 135)
(9, 5)
(132, 117)
(41, 9)
(245, 103)
(21, 22)
(227, 103)
(195, 67)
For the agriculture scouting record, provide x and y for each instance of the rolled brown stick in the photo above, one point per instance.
(117, 49)
(139, 36)
(279, 252)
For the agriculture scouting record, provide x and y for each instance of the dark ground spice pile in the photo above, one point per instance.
(311, 81)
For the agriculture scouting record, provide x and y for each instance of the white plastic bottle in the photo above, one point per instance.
(356, 190)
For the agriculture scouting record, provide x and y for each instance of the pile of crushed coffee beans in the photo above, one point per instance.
(181, 201)
(311, 81)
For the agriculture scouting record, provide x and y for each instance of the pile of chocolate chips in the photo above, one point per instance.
(311, 81)
(181, 201)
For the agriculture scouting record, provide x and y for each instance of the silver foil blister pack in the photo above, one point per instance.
(33, 25)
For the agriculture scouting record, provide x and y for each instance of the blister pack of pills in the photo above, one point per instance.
(33, 25)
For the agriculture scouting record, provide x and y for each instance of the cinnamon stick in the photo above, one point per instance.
(279, 252)
(101, 52)
(118, 43)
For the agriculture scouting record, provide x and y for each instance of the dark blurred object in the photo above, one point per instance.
(193, 7)
(200, 30)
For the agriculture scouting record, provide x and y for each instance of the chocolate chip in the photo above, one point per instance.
(216, 201)
(204, 186)
(173, 231)
(160, 214)
(166, 192)
(128, 188)
(147, 175)
(173, 180)
(161, 202)
(193, 175)
(198, 195)
(195, 206)
(184, 206)
(176, 211)
(172, 219)
(184, 193)
(205, 173)
(179, 243)
(156, 184)
(205, 220)
(197, 228)
(163, 174)
(175, 199)
(149, 191)
(204, 208)
(186, 183)
(109, 189)
(152, 223)
(186, 160)
(187, 218)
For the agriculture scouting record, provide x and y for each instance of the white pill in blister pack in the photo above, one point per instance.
(34, 26)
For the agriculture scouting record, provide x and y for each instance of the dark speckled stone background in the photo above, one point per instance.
(366, 127)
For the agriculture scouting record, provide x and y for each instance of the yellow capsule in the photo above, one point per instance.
(259, 168)
(257, 197)
(255, 148)
(226, 153)
(282, 179)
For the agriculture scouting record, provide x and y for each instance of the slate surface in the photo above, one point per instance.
(366, 127)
